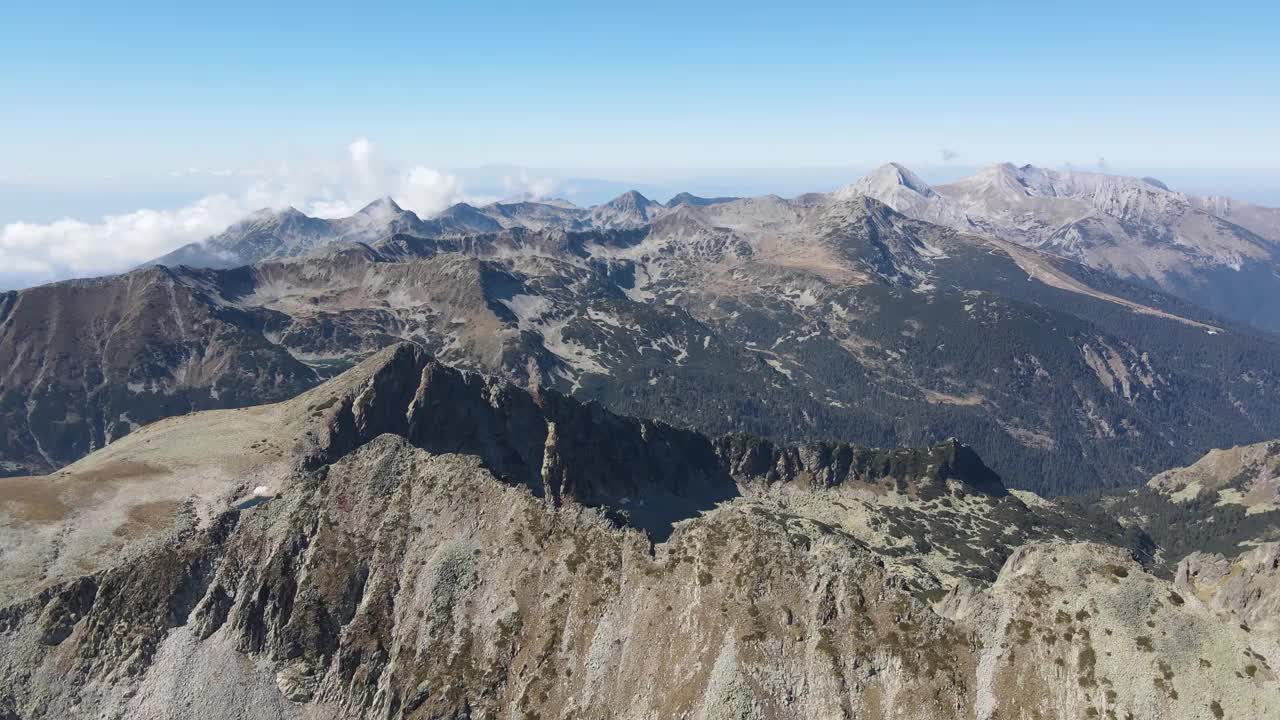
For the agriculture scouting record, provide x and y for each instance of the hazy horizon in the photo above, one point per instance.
(109, 225)
(134, 130)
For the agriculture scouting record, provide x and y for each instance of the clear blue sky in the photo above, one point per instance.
(91, 90)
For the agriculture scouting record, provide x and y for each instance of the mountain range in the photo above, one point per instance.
(1215, 252)
(822, 316)
(733, 458)
(272, 235)
(410, 541)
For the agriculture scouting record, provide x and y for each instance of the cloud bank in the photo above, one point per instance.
(68, 248)
(32, 253)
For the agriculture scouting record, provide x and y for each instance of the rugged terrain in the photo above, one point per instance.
(1214, 252)
(794, 319)
(410, 541)
(272, 235)
(804, 319)
(1225, 504)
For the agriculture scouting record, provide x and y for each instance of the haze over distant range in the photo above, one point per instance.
(51, 233)
(175, 122)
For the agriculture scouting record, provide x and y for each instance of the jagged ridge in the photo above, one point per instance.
(649, 472)
(391, 580)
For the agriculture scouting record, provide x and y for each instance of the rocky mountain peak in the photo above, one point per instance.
(271, 217)
(464, 217)
(1001, 179)
(383, 206)
(628, 210)
(686, 198)
(894, 174)
(899, 188)
(630, 200)
(890, 181)
(1109, 193)
(653, 474)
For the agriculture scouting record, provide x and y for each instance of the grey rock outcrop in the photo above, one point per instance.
(1246, 587)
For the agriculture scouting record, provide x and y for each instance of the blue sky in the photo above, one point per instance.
(91, 89)
(127, 130)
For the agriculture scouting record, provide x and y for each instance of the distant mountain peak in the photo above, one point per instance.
(560, 203)
(629, 200)
(267, 214)
(383, 205)
(630, 209)
(888, 180)
(686, 198)
(1116, 194)
(905, 177)
(528, 197)
(1005, 169)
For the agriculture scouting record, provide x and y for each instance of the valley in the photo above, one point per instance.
(821, 317)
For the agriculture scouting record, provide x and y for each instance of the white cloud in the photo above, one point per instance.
(427, 192)
(329, 209)
(116, 242)
(362, 162)
(523, 184)
(424, 190)
(198, 172)
(39, 252)
(32, 252)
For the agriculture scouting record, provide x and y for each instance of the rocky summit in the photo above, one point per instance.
(408, 540)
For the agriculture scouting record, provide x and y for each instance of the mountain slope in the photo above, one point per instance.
(1263, 221)
(1132, 228)
(267, 235)
(1224, 504)
(426, 544)
(87, 361)
(791, 319)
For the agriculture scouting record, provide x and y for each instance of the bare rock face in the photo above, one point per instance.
(1246, 587)
(1072, 630)
(440, 545)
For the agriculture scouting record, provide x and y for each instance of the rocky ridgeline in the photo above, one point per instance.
(829, 465)
(439, 545)
(646, 471)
